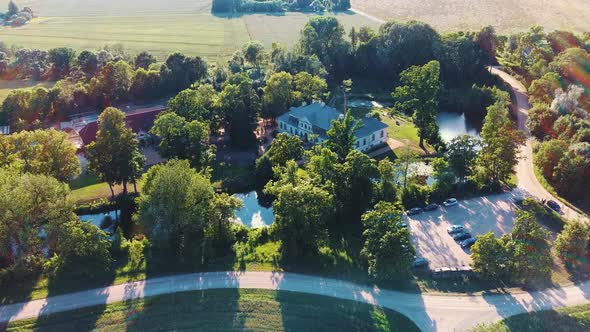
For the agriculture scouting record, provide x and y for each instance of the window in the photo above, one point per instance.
(382, 131)
(373, 137)
(364, 141)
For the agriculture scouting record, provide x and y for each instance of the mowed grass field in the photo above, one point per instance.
(505, 15)
(225, 310)
(160, 27)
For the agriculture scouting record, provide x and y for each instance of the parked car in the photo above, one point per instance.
(454, 229)
(403, 225)
(431, 207)
(553, 205)
(414, 211)
(450, 202)
(420, 262)
(461, 236)
(468, 243)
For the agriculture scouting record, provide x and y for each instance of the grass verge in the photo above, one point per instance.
(226, 309)
(570, 319)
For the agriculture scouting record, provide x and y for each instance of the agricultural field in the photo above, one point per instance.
(158, 27)
(505, 15)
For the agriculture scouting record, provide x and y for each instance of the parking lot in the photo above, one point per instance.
(478, 215)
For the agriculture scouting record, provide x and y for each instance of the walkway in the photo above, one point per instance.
(429, 312)
(524, 170)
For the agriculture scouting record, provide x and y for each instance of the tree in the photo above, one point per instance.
(114, 154)
(386, 188)
(179, 72)
(81, 250)
(182, 139)
(240, 106)
(572, 242)
(146, 84)
(418, 95)
(301, 214)
(489, 256)
(387, 248)
(403, 162)
(278, 94)
(173, 206)
(197, 105)
(549, 155)
(46, 152)
(263, 172)
(309, 88)
(88, 62)
(341, 135)
(444, 176)
(12, 9)
(529, 250)
(323, 36)
(113, 82)
(30, 206)
(284, 148)
(461, 153)
(61, 58)
(500, 144)
(355, 184)
(488, 42)
(144, 60)
(254, 54)
(222, 209)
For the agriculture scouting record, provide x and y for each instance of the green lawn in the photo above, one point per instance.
(570, 319)
(226, 309)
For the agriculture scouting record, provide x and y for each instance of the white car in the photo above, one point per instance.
(450, 202)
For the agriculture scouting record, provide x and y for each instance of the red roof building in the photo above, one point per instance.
(138, 120)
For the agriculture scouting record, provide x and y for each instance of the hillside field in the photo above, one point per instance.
(160, 27)
(505, 15)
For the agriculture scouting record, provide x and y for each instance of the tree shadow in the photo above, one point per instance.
(358, 315)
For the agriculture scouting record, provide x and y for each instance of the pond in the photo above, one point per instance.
(253, 214)
(98, 218)
(452, 125)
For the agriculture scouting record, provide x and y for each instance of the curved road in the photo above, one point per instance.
(429, 312)
(527, 181)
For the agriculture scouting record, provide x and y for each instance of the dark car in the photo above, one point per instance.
(431, 207)
(518, 201)
(420, 262)
(414, 211)
(553, 205)
(468, 243)
(461, 236)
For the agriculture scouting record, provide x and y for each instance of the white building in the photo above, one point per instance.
(311, 123)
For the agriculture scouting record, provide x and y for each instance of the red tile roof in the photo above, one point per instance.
(138, 120)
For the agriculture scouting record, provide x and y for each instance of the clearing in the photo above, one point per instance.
(8, 85)
(155, 26)
(226, 309)
(505, 15)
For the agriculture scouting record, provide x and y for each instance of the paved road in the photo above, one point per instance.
(524, 170)
(429, 312)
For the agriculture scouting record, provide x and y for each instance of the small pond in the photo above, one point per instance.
(98, 218)
(253, 214)
(452, 125)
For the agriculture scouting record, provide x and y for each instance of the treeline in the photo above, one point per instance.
(255, 6)
(555, 67)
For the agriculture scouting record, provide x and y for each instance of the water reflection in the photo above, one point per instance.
(105, 221)
(452, 125)
(253, 214)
